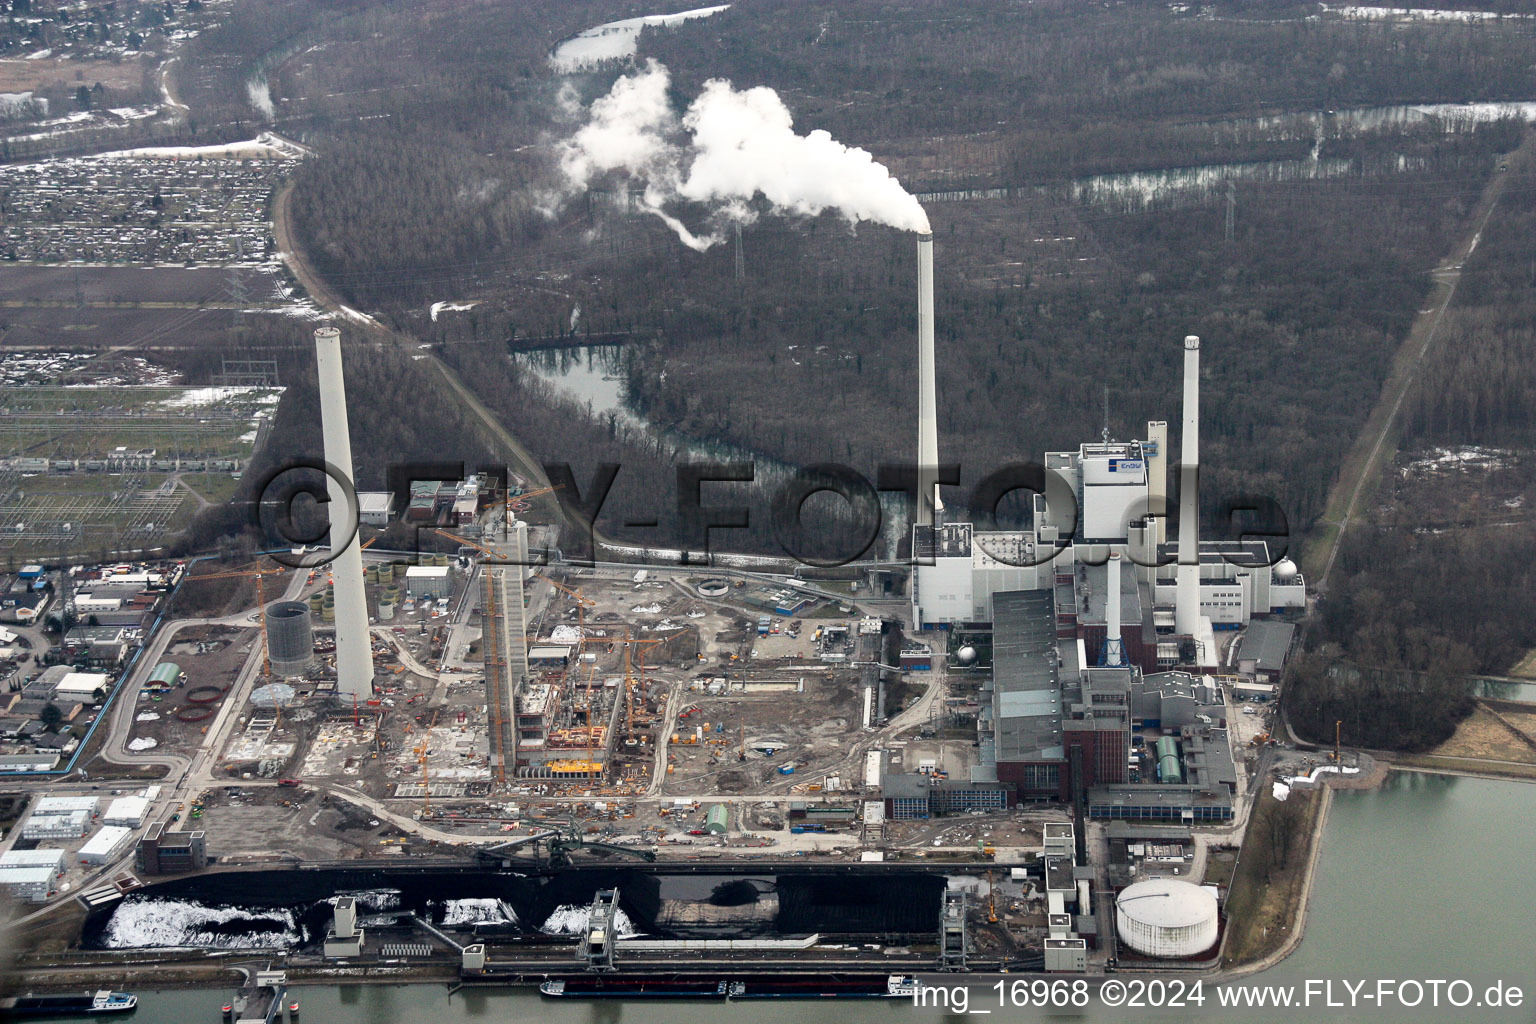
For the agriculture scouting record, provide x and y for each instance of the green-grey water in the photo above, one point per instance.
(1428, 877)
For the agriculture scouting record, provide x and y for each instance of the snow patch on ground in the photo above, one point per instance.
(570, 919)
(143, 743)
(373, 900)
(476, 911)
(265, 146)
(615, 40)
(449, 307)
(148, 716)
(142, 922)
(1415, 14)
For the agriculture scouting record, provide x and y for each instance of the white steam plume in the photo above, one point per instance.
(728, 148)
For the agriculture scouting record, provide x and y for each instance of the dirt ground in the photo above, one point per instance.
(1483, 735)
(253, 824)
(216, 667)
(810, 731)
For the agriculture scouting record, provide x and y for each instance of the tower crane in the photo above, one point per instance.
(261, 605)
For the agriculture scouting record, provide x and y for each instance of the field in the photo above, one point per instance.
(26, 75)
(1482, 735)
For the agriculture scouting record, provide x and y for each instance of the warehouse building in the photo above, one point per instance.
(428, 582)
(126, 810)
(83, 686)
(106, 846)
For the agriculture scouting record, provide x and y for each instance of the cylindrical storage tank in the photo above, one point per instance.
(371, 574)
(1166, 917)
(328, 610)
(316, 600)
(387, 572)
(290, 638)
(386, 610)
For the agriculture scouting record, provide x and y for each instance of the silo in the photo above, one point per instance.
(386, 572)
(371, 574)
(1166, 917)
(290, 638)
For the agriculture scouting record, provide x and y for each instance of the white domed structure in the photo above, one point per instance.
(966, 654)
(1286, 571)
(1166, 917)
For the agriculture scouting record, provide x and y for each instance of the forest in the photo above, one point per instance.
(1435, 584)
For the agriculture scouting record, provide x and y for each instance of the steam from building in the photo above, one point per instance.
(728, 149)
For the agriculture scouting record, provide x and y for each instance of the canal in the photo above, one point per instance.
(1428, 877)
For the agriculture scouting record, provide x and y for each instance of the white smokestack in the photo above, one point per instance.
(354, 648)
(929, 504)
(1187, 599)
(1114, 649)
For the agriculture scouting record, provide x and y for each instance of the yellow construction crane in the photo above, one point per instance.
(261, 606)
(527, 496)
(421, 758)
(991, 900)
(582, 603)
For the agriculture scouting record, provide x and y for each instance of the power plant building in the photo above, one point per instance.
(290, 638)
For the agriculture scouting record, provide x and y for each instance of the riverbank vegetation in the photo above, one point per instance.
(1269, 888)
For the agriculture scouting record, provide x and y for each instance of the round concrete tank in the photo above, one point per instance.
(290, 638)
(1166, 917)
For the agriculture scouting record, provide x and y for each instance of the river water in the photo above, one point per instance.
(1428, 877)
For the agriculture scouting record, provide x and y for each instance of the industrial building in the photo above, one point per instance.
(60, 817)
(106, 845)
(375, 508)
(161, 851)
(1109, 497)
(83, 686)
(126, 810)
(30, 875)
(429, 582)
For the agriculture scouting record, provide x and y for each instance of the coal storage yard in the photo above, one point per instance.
(292, 909)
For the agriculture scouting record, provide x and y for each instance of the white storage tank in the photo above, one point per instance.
(1166, 917)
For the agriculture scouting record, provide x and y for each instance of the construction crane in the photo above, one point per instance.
(525, 497)
(582, 603)
(421, 758)
(261, 606)
(991, 900)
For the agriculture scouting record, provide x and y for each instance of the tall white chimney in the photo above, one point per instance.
(354, 648)
(1187, 599)
(1114, 649)
(929, 504)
